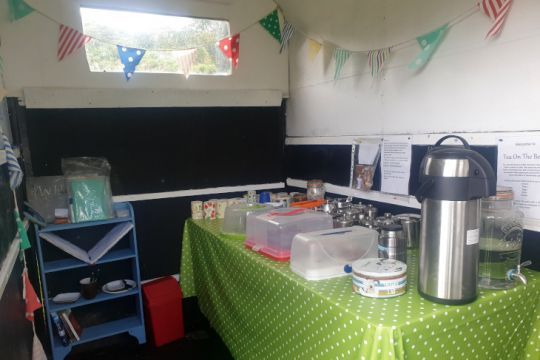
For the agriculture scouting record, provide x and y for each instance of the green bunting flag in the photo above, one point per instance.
(23, 235)
(429, 43)
(271, 24)
(340, 56)
(18, 9)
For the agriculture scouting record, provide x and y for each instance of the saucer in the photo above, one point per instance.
(118, 286)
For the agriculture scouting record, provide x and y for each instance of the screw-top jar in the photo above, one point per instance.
(392, 245)
(315, 190)
(501, 235)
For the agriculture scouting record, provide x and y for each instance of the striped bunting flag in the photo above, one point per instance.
(286, 34)
(70, 40)
(14, 169)
(376, 60)
(185, 60)
(497, 10)
(341, 56)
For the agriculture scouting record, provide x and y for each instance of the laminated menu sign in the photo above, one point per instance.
(518, 166)
(395, 167)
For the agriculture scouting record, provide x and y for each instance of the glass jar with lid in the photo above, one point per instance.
(501, 236)
(315, 190)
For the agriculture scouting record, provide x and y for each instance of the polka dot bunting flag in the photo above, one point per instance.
(429, 43)
(230, 47)
(130, 58)
(271, 24)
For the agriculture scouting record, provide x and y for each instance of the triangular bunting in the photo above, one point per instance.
(230, 47)
(497, 10)
(18, 9)
(14, 169)
(130, 58)
(376, 60)
(70, 40)
(286, 35)
(30, 297)
(313, 49)
(271, 24)
(186, 58)
(429, 43)
(340, 56)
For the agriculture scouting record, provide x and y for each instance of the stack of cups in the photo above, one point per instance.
(221, 206)
(197, 210)
(209, 210)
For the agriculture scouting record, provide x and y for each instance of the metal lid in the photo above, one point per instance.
(391, 229)
(379, 268)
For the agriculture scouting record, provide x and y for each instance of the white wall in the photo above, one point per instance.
(470, 85)
(29, 50)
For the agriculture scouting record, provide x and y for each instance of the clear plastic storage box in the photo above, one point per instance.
(330, 253)
(271, 233)
(234, 222)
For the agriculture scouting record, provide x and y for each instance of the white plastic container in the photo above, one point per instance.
(328, 254)
(234, 222)
(379, 278)
(271, 233)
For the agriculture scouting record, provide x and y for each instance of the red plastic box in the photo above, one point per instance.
(163, 310)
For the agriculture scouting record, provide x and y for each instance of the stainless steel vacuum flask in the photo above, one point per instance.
(453, 179)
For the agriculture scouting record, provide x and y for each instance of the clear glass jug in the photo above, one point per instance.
(501, 236)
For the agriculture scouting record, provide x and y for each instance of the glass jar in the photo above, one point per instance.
(501, 235)
(315, 190)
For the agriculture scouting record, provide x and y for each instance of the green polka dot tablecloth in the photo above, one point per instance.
(262, 310)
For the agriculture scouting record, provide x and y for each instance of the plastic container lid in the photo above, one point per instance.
(379, 268)
(329, 253)
(272, 233)
(234, 222)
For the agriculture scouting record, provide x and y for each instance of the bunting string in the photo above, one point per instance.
(70, 39)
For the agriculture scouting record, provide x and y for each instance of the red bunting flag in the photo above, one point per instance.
(497, 10)
(230, 47)
(30, 297)
(70, 40)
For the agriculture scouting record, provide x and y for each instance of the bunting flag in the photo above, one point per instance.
(376, 60)
(313, 49)
(30, 297)
(271, 24)
(70, 40)
(186, 58)
(428, 43)
(230, 47)
(286, 35)
(14, 169)
(341, 56)
(18, 9)
(23, 235)
(130, 58)
(497, 10)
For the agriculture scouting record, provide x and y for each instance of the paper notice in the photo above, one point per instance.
(518, 166)
(395, 167)
(368, 150)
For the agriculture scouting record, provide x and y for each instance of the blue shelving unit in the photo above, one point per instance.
(132, 323)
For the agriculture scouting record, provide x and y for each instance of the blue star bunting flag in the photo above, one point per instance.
(341, 56)
(130, 58)
(429, 43)
(14, 169)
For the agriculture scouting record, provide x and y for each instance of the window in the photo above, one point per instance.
(154, 32)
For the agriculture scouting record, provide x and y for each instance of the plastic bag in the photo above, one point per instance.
(89, 189)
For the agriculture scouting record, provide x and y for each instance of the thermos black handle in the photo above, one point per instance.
(465, 143)
(421, 192)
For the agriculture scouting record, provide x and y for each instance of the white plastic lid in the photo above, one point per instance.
(379, 268)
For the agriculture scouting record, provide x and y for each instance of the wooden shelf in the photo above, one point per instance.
(72, 263)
